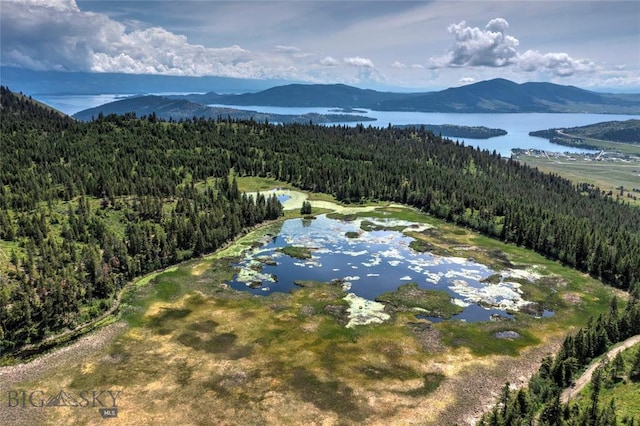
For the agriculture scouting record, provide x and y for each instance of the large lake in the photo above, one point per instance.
(518, 126)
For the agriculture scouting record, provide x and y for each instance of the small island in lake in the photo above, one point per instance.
(456, 131)
(348, 110)
(329, 118)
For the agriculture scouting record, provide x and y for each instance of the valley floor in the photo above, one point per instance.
(189, 350)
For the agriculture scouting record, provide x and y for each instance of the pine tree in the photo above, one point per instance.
(306, 208)
(596, 386)
(15, 260)
(551, 414)
(617, 366)
(634, 373)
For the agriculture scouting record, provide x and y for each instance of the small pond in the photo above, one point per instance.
(370, 263)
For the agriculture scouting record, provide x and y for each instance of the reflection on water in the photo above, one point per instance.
(370, 263)
(474, 313)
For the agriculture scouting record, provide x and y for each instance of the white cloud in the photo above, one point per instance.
(56, 34)
(61, 5)
(292, 51)
(286, 44)
(493, 47)
(560, 64)
(328, 61)
(288, 49)
(357, 61)
(467, 80)
(490, 47)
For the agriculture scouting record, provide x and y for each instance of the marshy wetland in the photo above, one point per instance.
(374, 315)
(375, 253)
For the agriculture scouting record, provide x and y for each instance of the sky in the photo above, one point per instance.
(409, 45)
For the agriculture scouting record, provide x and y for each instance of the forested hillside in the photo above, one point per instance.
(455, 131)
(177, 109)
(613, 131)
(86, 206)
(540, 402)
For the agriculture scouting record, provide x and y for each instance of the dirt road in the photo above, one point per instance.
(568, 393)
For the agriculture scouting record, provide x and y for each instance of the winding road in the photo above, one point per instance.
(582, 381)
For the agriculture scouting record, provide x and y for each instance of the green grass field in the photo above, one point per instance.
(608, 176)
(215, 354)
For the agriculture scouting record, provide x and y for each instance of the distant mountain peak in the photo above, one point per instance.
(498, 95)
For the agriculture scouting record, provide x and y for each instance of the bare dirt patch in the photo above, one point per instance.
(477, 388)
(66, 358)
(571, 297)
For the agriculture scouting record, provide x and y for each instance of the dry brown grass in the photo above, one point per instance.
(201, 360)
(204, 354)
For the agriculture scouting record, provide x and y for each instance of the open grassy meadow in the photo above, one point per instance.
(189, 350)
(616, 170)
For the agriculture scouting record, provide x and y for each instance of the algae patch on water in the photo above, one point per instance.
(363, 312)
(297, 252)
(434, 303)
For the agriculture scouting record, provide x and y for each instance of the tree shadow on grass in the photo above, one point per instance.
(223, 344)
(331, 395)
(160, 323)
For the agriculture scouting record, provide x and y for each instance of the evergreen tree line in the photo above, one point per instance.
(540, 402)
(138, 167)
(68, 267)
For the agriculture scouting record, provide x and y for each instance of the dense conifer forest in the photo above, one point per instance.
(67, 267)
(540, 403)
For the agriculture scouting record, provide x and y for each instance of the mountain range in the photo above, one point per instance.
(491, 96)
